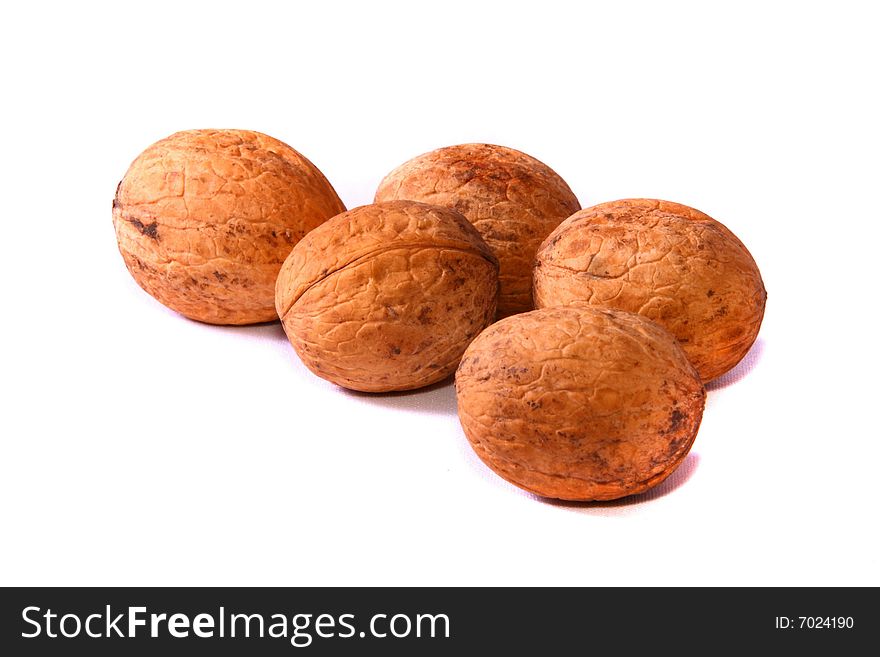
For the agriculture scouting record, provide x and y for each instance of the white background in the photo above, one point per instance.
(142, 448)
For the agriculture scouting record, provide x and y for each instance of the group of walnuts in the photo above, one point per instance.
(595, 395)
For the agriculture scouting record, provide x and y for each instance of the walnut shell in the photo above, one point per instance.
(665, 261)
(514, 200)
(387, 296)
(579, 403)
(204, 219)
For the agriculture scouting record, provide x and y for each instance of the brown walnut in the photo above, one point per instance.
(387, 296)
(663, 260)
(514, 200)
(579, 403)
(204, 219)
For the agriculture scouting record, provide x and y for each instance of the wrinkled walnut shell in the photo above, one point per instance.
(204, 219)
(579, 403)
(514, 200)
(387, 296)
(666, 261)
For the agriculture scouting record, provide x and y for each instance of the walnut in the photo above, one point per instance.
(204, 219)
(387, 296)
(579, 403)
(511, 198)
(666, 261)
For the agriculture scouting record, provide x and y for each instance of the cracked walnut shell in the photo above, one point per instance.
(387, 296)
(666, 261)
(579, 403)
(204, 219)
(514, 200)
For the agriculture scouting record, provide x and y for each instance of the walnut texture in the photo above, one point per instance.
(387, 296)
(666, 261)
(204, 219)
(514, 200)
(579, 403)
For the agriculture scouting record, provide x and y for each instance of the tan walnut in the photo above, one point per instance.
(663, 260)
(579, 403)
(204, 219)
(387, 296)
(514, 200)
